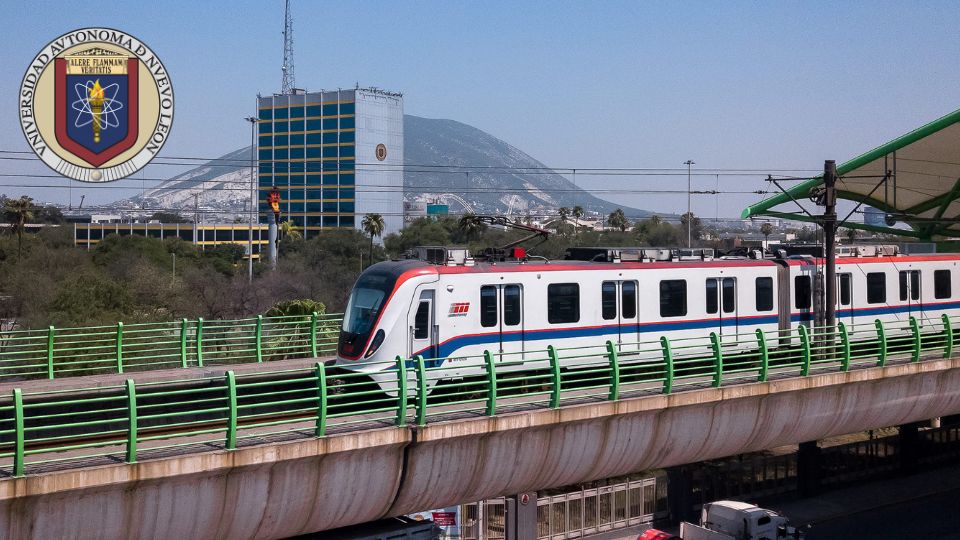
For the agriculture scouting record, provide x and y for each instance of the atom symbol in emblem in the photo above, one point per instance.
(108, 114)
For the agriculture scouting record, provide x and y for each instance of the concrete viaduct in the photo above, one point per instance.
(295, 487)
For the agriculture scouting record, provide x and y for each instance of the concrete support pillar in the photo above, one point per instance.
(680, 494)
(909, 446)
(272, 234)
(521, 518)
(808, 468)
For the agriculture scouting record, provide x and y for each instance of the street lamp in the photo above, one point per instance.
(688, 163)
(253, 197)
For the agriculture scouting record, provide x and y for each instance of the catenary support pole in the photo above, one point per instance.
(829, 242)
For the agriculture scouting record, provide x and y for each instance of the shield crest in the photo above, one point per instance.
(96, 94)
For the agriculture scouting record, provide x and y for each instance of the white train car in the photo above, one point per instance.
(451, 313)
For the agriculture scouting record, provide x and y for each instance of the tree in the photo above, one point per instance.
(618, 220)
(577, 214)
(691, 222)
(167, 217)
(18, 212)
(373, 225)
(766, 230)
(655, 220)
(469, 227)
(289, 230)
(563, 213)
(852, 234)
(50, 214)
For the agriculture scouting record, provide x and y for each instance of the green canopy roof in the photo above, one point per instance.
(914, 178)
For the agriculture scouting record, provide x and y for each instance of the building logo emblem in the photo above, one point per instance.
(381, 152)
(96, 105)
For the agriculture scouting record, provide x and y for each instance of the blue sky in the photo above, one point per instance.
(775, 85)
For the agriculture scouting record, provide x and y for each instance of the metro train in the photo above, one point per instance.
(450, 309)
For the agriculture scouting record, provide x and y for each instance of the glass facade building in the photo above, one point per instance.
(333, 156)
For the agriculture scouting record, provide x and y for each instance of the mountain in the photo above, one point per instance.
(514, 181)
(496, 177)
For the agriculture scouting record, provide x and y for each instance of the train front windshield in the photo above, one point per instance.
(366, 300)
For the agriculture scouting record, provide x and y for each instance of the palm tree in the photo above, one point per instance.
(618, 220)
(766, 230)
(289, 229)
(18, 212)
(577, 214)
(655, 220)
(373, 225)
(564, 212)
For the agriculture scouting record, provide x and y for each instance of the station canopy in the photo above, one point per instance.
(914, 179)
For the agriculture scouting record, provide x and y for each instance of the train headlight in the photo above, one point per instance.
(375, 344)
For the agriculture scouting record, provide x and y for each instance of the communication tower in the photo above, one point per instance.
(288, 77)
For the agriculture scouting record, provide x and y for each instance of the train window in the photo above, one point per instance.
(729, 295)
(488, 306)
(511, 305)
(941, 284)
(876, 288)
(673, 298)
(764, 294)
(628, 299)
(844, 289)
(563, 303)
(712, 305)
(421, 323)
(608, 300)
(801, 292)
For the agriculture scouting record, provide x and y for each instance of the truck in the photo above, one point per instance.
(735, 520)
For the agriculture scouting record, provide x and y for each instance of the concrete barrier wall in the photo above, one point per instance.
(280, 490)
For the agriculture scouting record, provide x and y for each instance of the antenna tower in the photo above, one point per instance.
(288, 77)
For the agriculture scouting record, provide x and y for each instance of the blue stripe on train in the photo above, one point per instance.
(448, 348)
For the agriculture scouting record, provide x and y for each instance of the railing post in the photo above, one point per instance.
(198, 337)
(119, 347)
(231, 410)
(50, 334)
(19, 433)
(491, 383)
(614, 371)
(131, 421)
(401, 392)
(313, 334)
(183, 343)
(881, 343)
(804, 350)
(668, 362)
(844, 346)
(915, 329)
(259, 339)
(321, 371)
(717, 359)
(948, 336)
(764, 356)
(555, 376)
(421, 390)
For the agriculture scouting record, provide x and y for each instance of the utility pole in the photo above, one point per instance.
(829, 234)
(253, 197)
(688, 163)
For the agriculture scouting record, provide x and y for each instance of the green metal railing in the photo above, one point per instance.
(64, 352)
(41, 430)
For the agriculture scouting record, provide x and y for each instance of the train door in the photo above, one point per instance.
(845, 310)
(722, 305)
(618, 307)
(628, 313)
(423, 331)
(501, 311)
(511, 318)
(910, 293)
